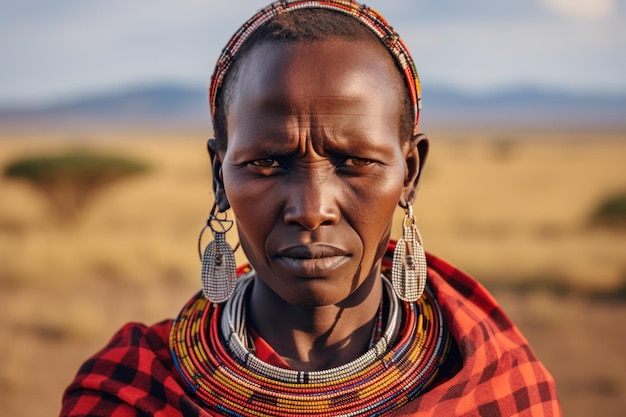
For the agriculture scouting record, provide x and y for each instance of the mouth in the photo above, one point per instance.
(313, 261)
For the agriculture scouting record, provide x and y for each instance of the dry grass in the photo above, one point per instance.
(508, 211)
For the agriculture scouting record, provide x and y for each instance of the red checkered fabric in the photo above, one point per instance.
(134, 375)
(501, 376)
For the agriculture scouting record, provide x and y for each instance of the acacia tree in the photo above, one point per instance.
(611, 211)
(70, 181)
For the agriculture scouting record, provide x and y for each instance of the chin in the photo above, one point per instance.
(313, 295)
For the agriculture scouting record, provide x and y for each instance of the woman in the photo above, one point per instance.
(315, 107)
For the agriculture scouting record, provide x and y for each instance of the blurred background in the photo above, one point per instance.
(106, 183)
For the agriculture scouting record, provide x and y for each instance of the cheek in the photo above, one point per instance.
(377, 198)
(253, 203)
(373, 207)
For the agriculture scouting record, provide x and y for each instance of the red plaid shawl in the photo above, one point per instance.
(134, 375)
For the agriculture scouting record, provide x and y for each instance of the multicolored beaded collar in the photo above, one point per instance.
(374, 384)
(366, 15)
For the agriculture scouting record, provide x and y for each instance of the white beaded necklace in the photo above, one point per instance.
(234, 331)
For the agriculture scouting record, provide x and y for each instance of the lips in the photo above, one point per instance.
(312, 261)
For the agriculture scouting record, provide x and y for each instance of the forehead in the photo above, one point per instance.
(334, 68)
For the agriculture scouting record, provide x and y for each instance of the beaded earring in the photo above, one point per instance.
(408, 273)
(219, 269)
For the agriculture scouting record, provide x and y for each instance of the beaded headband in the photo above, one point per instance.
(365, 15)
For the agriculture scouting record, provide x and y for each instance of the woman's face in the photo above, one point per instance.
(314, 166)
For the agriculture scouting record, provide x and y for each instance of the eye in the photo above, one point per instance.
(266, 163)
(356, 162)
(266, 167)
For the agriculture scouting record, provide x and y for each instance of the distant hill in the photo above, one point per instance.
(156, 105)
(524, 107)
(187, 106)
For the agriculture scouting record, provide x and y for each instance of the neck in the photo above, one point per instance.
(316, 338)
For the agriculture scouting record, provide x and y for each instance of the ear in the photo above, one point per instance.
(416, 152)
(218, 182)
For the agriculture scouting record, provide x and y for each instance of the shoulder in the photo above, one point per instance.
(141, 336)
(132, 374)
(467, 306)
(500, 374)
(472, 314)
(134, 347)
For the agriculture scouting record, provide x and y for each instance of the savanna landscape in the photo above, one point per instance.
(519, 210)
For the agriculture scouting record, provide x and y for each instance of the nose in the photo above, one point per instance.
(311, 203)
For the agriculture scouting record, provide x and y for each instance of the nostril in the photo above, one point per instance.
(310, 221)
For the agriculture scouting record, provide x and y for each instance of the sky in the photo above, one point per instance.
(56, 50)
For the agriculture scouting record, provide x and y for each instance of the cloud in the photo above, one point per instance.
(582, 9)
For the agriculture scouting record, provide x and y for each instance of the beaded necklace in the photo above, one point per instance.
(234, 332)
(208, 352)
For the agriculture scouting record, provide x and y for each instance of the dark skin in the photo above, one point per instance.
(314, 169)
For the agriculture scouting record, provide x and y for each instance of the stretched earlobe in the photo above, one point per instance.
(218, 183)
(415, 160)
